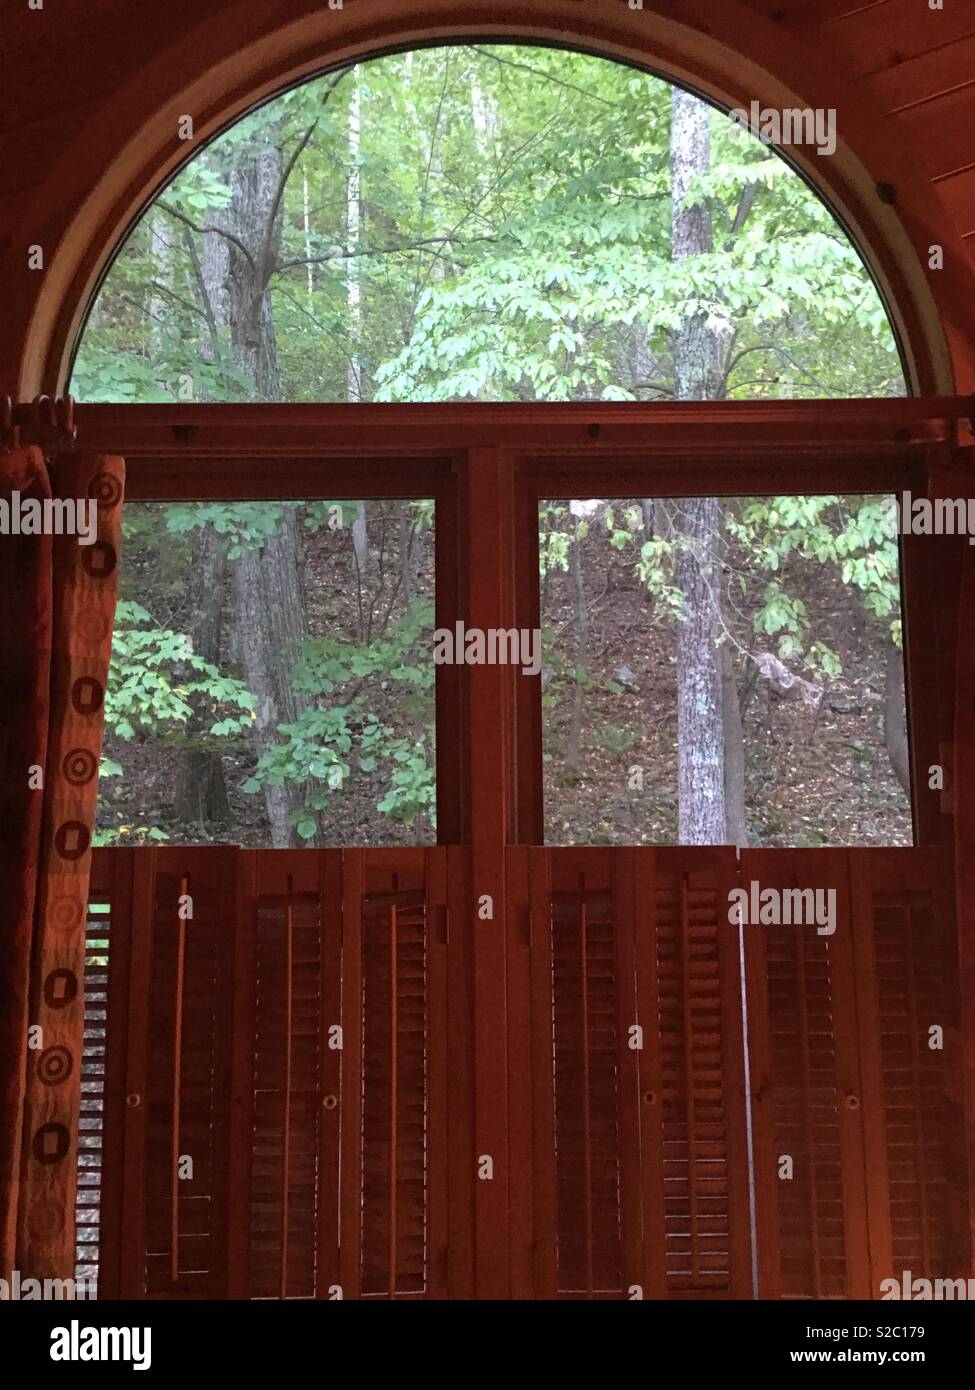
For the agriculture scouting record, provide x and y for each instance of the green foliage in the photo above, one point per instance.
(154, 673)
(130, 835)
(615, 739)
(247, 525)
(153, 676)
(856, 536)
(320, 746)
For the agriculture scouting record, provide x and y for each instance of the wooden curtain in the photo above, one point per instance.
(57, 603)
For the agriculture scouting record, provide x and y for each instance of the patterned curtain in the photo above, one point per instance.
(57, 605)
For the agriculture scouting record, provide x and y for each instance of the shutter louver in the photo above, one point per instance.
(187, 1077)
(911, 994)
(587, 1102)
(699, 1116)
(286, 1111)
(93, 1060)
(394, 1094)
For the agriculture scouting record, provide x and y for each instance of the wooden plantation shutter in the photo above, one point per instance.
(394, 1200)
(583, 1126)
(298, 1017)
(287, 1096)
(286, 1081)
(640, 1174)
(693, 1109)
(907, 986)
(320, 1168)
(395, 1002)
(186, 1099)
(807, 1093)
(844, 1082)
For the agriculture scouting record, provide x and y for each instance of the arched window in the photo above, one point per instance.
(502, 223)
(488, 222)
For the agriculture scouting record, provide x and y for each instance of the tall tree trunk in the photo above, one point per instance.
(160, 246)
(353, 294)
(736, 821)
(895, 717)
(697, 371)
(201, 791)
(270, 613)
(736, 818)
(353, 233)
(574, 745)
(406, 542)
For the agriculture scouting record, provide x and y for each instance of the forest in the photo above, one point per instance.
(492, 222)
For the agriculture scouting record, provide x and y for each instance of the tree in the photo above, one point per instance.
(697, 376)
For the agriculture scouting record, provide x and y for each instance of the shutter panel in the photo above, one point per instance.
(640, 1175)
(807, 1091)
(394, 1126)
(693, 1103)
(286, 1098)
(843, 1079)
(91, 1145)
(286, 1076)
(907, 965)
(579, 1072)
(187, 1074)
(909, 987)
(394, 1138)
(587, 1101)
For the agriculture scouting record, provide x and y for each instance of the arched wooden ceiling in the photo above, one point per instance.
(92, 88)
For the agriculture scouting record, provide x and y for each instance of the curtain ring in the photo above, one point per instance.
(8, 430)
(47, 421)
(67, 427)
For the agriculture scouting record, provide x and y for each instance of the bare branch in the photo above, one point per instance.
(745, 204)
(345, 254)
(195, 227)
(208, 314)
(288, 170)
(537, 72)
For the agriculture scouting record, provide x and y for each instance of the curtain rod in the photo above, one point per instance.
(52, 422)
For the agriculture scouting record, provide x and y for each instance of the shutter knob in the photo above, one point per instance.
(330, 1102)
(650, 1097)
(133, 1099)
(852, 1102)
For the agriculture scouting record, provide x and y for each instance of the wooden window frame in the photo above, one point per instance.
(759, 474)
(487, 466)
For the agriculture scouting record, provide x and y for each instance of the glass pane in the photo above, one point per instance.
(723, 671)
(272, 680)
(493, 222)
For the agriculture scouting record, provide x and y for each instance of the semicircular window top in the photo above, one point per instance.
(488, 222)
